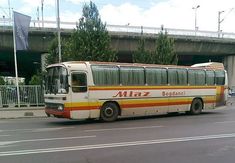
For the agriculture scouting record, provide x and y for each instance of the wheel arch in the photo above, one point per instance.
(200, 98)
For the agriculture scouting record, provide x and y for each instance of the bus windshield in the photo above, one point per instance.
(56, 80)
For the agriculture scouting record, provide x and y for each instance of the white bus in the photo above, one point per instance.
(106, 91)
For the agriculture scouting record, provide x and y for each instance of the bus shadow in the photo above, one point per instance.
(66, 122)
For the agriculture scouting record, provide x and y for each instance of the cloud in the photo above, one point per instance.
(171, 14)
(30, 6)
(78, 1)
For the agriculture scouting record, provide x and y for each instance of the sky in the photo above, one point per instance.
(178, 14)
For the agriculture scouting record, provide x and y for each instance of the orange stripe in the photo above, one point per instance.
(136, 105)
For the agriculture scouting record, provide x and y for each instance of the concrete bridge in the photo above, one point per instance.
(191, 48)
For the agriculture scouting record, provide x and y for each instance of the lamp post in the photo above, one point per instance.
(195, 11)
(219, 21)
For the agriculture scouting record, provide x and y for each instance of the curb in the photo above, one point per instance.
(6, 113)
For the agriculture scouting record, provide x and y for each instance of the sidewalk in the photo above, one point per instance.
(22, 112)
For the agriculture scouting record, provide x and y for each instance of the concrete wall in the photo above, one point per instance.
(229, 63)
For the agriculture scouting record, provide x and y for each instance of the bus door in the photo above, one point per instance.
(79, 95)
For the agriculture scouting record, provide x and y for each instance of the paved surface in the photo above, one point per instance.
(27, 112)
(209, 138)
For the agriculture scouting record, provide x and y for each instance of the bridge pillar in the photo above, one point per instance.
(229, 64)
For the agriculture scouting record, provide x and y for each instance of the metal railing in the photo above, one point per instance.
(68, 26)
(30, 96)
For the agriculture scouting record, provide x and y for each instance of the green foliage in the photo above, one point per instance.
(142, 55)
(36, 80)
(2, 82)
(164, 53)
(53, 56)
(89, 42)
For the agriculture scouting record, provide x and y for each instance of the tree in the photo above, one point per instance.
(164, 53)
(2, 82)
(36, 79)
(142, 55)
(53, 56)
(90, 41)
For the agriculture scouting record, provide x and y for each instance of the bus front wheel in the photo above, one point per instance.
(109, 112)
(196, 106)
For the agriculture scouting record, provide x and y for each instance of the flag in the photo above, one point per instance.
(21, 29)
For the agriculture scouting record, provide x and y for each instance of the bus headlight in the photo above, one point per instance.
(60, 107)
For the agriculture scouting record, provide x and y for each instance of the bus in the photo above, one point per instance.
(107, 91)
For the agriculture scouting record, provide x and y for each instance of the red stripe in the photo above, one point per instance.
(82, 108)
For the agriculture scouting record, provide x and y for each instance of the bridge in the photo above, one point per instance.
(191, 46)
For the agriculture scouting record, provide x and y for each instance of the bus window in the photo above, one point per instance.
(219, 77)
(196, 77)
(105, 75)
(210, 77)
(132, 76)
(79, 82)
(177, 76)
(156, 76)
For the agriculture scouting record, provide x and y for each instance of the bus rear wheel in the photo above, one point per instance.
(196, 107)
(109, 112)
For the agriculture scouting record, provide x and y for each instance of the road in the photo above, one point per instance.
(209, 138)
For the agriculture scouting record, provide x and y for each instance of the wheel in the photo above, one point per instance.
(109, 112)
(196, 107)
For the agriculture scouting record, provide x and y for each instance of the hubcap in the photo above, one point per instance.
(108, 112)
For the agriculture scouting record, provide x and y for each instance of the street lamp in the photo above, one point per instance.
(219, 21)
(195, 10)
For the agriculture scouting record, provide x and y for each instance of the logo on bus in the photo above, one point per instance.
(173, 93)
(132, 94)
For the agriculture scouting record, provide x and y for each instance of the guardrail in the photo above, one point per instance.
(30, 96)
(37, 25)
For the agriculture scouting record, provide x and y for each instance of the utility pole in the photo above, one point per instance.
(42, 1)
(9, 8)
(58, 29)
(219, 21)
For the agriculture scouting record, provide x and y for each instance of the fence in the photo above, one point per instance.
(30, 96)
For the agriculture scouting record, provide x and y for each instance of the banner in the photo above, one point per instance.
(21, 27)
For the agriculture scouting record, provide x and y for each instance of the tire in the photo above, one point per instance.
(196, 107)
(109, 112)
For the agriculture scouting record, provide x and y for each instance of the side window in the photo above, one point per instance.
(79, 82)
(172, 77)
(177, 76)
(156, 76)
(210, 77)
(132, 76)
(105, 75)
(219, 77)
(196, 77)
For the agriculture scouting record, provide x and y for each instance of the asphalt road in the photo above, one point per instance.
(209, 138)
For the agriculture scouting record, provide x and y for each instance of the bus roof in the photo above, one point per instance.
(208, 65)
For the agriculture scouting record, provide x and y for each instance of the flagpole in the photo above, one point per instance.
(15, 59)
(58, 29)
